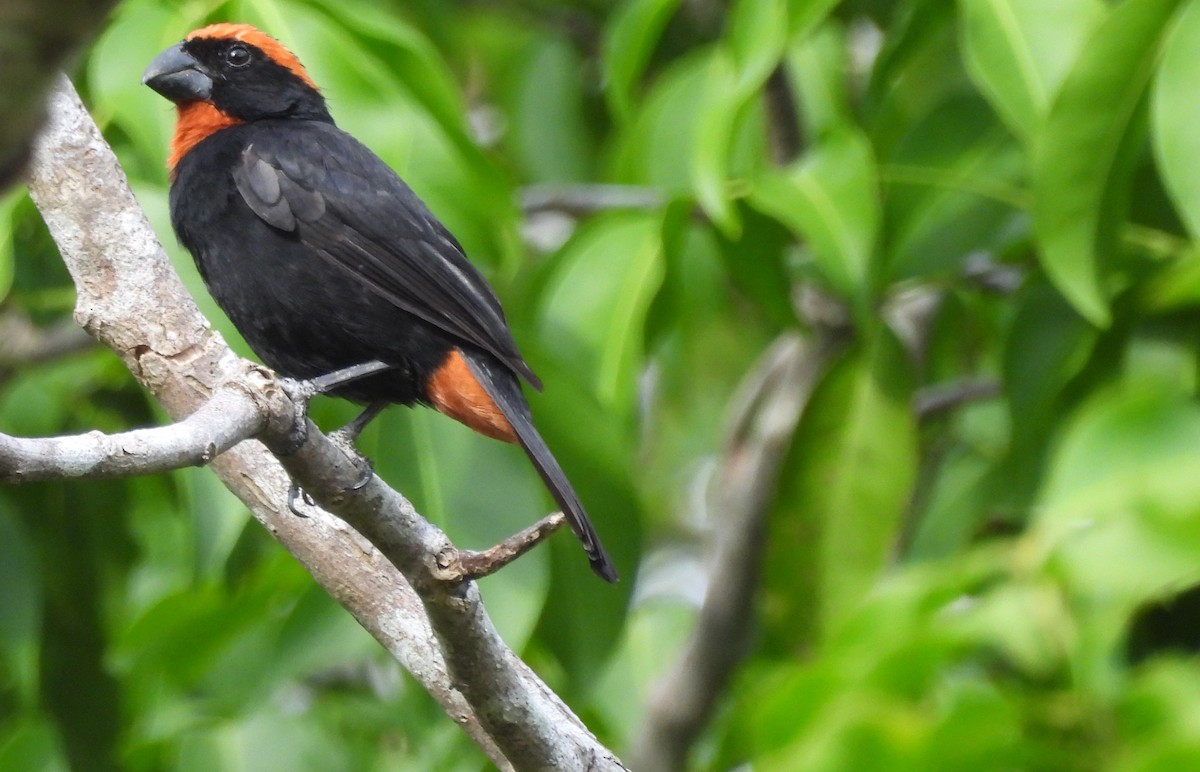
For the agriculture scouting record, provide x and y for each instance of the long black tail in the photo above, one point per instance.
(504, 389)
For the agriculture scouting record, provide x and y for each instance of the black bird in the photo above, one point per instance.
(323, 258)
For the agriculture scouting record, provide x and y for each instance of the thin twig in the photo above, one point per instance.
(464, 565)
(583, 200)
(938, 399)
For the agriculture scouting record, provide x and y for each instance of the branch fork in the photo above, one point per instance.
(130, 299)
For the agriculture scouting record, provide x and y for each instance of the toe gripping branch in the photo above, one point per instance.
(302, 392)
(451, 564)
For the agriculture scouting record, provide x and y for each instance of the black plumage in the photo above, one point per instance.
(324, 258)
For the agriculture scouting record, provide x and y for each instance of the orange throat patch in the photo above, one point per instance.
(454, 391)
(197, 121)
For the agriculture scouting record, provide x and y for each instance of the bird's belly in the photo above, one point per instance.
(304, 318)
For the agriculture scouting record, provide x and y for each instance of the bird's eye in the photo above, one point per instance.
(237, 56)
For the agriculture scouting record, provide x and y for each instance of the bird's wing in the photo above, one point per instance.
(343, 201)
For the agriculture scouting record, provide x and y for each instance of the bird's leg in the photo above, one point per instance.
(348, 435)
(301, 392)
(330, 381)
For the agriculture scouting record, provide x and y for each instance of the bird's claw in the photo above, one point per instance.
(344, 439)
(296, 493)
(365, 472)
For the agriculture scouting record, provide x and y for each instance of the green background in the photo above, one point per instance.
(998, 193)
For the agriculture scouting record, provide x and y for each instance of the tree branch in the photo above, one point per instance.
(581, 200)
(39, 38)
(131, 300)
(232, 415)
(762, 424)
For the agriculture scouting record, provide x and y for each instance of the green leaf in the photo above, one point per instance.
(817, 66)
(629, 40)
(1175, 286)
(1119, 519)
(8, 211)
(594, 307)
(951, 187)
(1176, 114)
(830, 199)
(805, 15)
(32, 744)
(549, 131)
(140, 30)
(918, 67)
(1084, 152)
(656, 148)
(844, 486)
(754, 46)
(1018, 51)
(20, 607)
(719, 111)
(757, 34)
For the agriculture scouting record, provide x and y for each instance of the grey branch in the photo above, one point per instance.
(938, 399)
(462, 565)
(582, 200)
(376, 556)
(232, 415)
(763, 421)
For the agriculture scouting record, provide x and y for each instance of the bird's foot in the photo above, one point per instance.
(300, 393)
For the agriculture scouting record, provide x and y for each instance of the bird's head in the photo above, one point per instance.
(225, 74)
(238, 69)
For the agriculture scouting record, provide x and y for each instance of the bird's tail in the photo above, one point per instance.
(505, 391)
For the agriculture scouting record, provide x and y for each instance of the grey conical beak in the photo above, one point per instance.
(178, 76)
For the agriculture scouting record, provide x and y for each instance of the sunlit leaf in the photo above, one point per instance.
(805, 15)
(595, 307)
(1118, 516)
(830, 198)
(1176, 114)
(629, 41)
(818, 68)
(1085, 150)
(755, 45)
(1018, 51)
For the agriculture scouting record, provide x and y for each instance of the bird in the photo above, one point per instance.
(323, 258)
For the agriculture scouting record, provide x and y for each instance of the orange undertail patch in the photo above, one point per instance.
(196, 121)
(454, 391)
(248, 33)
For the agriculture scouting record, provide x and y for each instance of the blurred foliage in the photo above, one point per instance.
(996, 191)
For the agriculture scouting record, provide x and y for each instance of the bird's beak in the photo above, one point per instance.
(178, 76)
